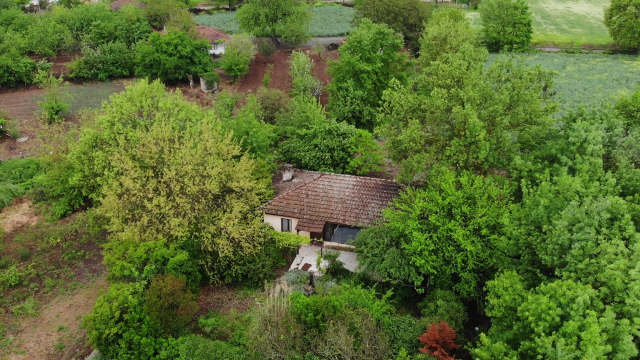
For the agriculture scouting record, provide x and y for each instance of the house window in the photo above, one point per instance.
(285, 226)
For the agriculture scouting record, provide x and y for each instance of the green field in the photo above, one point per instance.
(326, 21)
(588, 79)
(565, 21)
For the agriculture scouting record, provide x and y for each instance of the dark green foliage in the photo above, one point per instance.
(629, 109)
(273, 103)
(368, 61)
(622, 21)
(119, 327)
(17, 177)
(111, 60)
(7, 4)
(506, 24)
(443, 305)
(406, 17)
(16, 70)
(169, 303)
(159, 11)
(172, 56)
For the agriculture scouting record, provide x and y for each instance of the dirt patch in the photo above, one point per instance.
(225, 299)
(58, 324)
(18, 215)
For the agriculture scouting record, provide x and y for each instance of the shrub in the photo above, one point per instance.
(159, 11)
(211, 80)
(239, 52)
(172, 56)
(197, 347)
(439, 340)
(48, 38)
(20, 171)
(272, 103)
(506, 24)
(8, 192)
(28, 307)
(54, 105)
(10, 277)
(111, 60)
(267, 49)
(169, 303)
(304, 83)
(120, 328)
(443, 305)
(16, 70)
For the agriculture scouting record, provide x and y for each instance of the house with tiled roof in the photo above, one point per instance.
(331, 207)
(216, 37)
(116, 5)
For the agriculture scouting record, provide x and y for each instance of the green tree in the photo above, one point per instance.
(172, 56)
(368, 61)
(239, 51)
(111, 60)
(506, 24)
(159, 12)
(558, 320)
(406, 17)
(284, 19)
(169, 303)
(622, 21)
(16, 70)
(457, 112)
(300, 69)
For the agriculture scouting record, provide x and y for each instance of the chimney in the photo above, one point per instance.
(287, 174)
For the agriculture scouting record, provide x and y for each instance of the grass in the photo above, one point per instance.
(588, 79)
(326, 21)
(562, 22)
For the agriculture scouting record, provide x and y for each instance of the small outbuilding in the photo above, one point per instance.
(216, 37)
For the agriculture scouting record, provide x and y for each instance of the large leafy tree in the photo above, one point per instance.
(622, 20)
(239, 52)
(278, 19)
(172, 56)
(406, 17)
(506, 24)
(457, 112)
(450, 231)
(368, 61)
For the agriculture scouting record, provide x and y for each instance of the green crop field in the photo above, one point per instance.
(326, 21)
(565, 21)
(588, 79)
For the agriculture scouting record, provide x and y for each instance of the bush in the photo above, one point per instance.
(119, 327)
(172, 56)
(272, 103)
(506, 24)
(239, 52)
(20, 171)
(10, 277)
(267, 49)
(48, 38)
(304, 83)
(54, 105)
(111, 60)
(443, 305)
(211, 80)
(169, 303)
(159, 11)
(16, 70)
(193, 347)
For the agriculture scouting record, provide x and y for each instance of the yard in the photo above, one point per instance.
(563, 22)
(326, 21)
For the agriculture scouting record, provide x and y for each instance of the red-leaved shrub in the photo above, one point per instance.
(439, 340)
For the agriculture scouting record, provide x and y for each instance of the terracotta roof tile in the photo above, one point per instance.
(211, 34)
(316, 198)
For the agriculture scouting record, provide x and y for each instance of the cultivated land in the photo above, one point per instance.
(563, 22)
(326, 21)
(588, 79)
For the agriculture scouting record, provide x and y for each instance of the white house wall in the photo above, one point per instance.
(276, 222)
(217, 50)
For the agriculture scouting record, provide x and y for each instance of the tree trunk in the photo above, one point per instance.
(275, 40)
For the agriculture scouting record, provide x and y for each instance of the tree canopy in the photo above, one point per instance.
(622, 21)
(278, 19)
(506, 24)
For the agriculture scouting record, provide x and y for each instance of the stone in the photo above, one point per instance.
(22, 139)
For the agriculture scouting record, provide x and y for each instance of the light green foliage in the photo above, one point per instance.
(406, 17)
(459, 113)
(300, 69)
(119, 327)
(367, 154)
(211, 80)
(284, 19)
(302, 112)
(368, 61)
(629, 109)
(16, 70)
(325, 21)
(111, 60)
(55, 105)
(159, 11)
(172, 56)
(443, 305)
(17, 177)
(622, 22)
(452, 230)
(47, 37)
(195, 347)
(557, 320)
(239, 51)
(506, 24)
(28, 307)
(10, 277)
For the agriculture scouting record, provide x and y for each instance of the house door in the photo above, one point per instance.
(328, 231)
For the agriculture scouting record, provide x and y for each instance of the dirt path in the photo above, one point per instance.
(58, 323)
